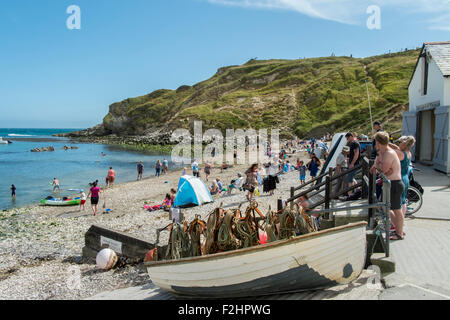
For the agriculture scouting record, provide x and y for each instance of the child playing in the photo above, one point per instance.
(83, 200)
(173, 196)
(164, 206)
(167, 203)
(302, 169)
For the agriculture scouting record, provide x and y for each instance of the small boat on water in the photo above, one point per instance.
(50, 201)
(311, 261)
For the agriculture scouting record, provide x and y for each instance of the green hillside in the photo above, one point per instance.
(300, 97)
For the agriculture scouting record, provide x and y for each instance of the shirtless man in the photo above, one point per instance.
(56, 184)
(387, 162)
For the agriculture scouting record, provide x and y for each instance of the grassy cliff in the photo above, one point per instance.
(300, 97)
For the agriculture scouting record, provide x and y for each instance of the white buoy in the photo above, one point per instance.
(106, 259)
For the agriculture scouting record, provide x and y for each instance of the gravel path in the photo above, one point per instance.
(40, 247)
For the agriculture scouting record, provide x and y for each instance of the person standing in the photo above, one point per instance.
(252, 180)
(354, 157)
(388, 163)
(140, 170)
(403, 151)
(195, 169)
(13, 191)
(313, 166)
(208, 167)
(110, 178)
(165, 166)
(158, 168)
(55, 185)
(83, 200)
(94, 193)
(302, 170)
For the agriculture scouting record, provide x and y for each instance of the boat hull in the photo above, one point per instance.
(60, 203)
(318, 260)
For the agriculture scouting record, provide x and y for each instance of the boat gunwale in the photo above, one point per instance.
(266, 246)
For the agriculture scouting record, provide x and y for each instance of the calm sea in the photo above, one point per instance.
(33, 172)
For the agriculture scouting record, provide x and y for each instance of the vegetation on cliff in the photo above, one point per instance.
(300, 97)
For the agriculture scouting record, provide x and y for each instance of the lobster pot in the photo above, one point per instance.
(316, 260)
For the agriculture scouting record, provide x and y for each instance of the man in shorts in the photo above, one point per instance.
(388, 162)
(165, 164)
(56, 185)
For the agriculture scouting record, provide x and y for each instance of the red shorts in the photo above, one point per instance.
(83, 201)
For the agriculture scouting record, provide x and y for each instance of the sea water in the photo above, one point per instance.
(32, 172)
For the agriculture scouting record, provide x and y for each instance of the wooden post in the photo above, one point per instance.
(292, 195)
(280, 204)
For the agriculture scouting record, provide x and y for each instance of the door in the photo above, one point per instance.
(441, 140)
(425, 136)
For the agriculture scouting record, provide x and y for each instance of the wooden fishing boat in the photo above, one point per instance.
(312, 261)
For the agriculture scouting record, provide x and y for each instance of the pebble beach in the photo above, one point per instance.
(41, 247)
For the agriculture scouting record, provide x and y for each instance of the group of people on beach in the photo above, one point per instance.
(161, 167)
(393, 160)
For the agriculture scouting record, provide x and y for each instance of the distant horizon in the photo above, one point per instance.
(43, 128)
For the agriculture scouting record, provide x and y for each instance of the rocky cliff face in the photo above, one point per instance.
(299, 97)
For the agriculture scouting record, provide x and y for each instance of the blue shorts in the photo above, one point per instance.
(303, 177)
(351, 176)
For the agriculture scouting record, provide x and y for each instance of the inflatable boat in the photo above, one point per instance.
(50, 201)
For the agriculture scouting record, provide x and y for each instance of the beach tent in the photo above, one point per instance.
(192, 192)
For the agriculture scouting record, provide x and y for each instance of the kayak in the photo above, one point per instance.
(50, 201)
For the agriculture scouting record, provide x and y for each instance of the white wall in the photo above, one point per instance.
(446, 92)
(435, 86)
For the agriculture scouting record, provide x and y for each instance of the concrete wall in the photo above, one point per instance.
(435, 86)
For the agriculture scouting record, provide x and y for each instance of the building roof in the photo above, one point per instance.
(440, 52)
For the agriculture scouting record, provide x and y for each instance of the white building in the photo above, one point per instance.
(429, 103)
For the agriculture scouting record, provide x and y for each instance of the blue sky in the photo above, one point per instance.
(51, 76)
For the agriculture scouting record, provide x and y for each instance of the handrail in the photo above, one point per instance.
(367, 184)
(310, 181)
(346, 172)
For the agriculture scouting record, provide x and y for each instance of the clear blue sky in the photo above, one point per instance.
(54, 77)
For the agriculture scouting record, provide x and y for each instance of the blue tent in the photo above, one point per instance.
(192, 192)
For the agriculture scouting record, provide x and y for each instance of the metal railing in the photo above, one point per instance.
(368, 187)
